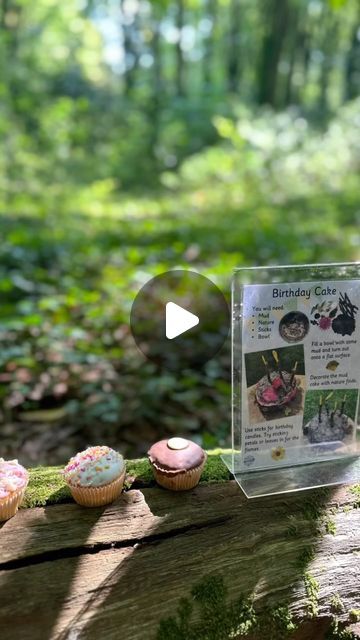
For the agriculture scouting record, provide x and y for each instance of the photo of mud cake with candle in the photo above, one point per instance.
(329, 416)
(276, 383)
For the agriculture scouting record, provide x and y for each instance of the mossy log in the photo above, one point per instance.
(123, 571)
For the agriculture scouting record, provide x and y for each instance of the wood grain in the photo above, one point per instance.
(70, 573)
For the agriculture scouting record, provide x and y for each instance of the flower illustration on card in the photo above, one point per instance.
(278, 453)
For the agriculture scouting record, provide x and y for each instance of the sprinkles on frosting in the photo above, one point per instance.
(94, 467)
(13, 476)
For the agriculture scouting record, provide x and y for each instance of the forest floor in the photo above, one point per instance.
(72, 263)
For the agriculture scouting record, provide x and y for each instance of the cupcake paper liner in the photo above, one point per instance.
(176, 481)
(10, 505)
(98, 496)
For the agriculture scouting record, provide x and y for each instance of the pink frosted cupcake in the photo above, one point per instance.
(13, 482)
(95, 476)
(177, 463)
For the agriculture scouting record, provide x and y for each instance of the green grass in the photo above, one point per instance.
(46, 485)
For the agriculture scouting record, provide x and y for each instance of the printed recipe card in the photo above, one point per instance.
(300, 383)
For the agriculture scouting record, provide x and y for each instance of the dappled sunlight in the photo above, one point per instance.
(76, 613)
(24, 520)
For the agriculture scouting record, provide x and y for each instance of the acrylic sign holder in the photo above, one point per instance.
(295, 377)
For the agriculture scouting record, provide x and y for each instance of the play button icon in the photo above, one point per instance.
(180, 319)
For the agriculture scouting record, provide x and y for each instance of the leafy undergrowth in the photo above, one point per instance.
(275, 190)
(46, 485)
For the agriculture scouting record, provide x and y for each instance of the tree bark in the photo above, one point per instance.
(352, 69)
(154, 106)
(276, 15)
(130, 53)
(293, 48)
(234, 62)
(329, 49)
(179, 78)
(209, 42)
(69, 572)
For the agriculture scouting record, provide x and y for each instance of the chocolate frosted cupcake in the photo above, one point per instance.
(177, 463)
(13, 482)
(95, 476)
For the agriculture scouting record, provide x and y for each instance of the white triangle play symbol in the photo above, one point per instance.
(178, 320)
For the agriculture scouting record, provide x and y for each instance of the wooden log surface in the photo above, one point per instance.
(71, 573)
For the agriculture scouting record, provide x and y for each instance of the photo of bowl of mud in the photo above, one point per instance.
(294, 326)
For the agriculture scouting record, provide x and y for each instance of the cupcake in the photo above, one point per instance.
(95, 476)
(177, 463)
(13, 482)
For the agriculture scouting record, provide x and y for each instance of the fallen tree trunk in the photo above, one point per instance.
(287, 564)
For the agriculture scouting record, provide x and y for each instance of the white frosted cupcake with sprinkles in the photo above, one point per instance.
(13, 482)
(95, 476)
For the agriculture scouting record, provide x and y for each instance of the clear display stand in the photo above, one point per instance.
(295, 377)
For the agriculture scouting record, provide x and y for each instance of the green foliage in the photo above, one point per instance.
(68, 278)
(110, 174)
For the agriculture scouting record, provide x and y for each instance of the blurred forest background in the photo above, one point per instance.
(138, 136)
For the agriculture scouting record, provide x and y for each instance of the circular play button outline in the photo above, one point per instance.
(180, 319)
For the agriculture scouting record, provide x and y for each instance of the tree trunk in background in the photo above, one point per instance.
(276, 19)
(352, 70)
(304, 48)
(329, 51)
(179, 78)
(233, 64)
(4, 8)
(157, 54)
(292, 51)
(209, 41)
(11, 38)
(155, 101)
(10, 27)
(130, 53)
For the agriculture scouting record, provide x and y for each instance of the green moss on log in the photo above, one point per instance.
(220, 620)
(354, 615)
(330, 526)
(46, 485)
(355, 490)
(339, 631)
(336, 604)
(215, 470)
(312, 594)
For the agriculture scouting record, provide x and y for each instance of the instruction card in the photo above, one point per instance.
(301, 372)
